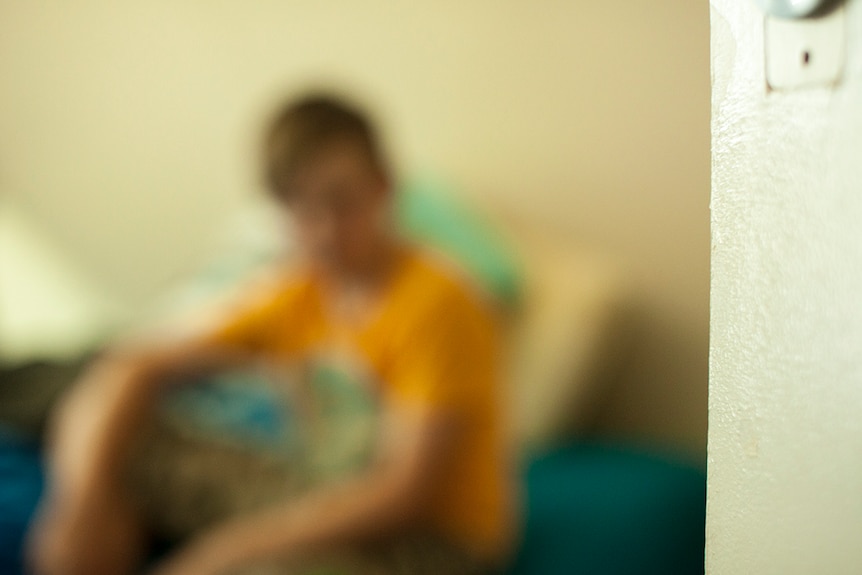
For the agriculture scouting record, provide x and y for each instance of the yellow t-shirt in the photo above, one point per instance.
(429, 339)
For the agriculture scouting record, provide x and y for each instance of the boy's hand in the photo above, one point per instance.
(187, 563)
(208, 555)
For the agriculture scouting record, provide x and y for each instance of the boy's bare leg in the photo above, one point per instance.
(85, 524)
(102, 536)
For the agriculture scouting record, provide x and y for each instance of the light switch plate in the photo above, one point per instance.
(804, 52)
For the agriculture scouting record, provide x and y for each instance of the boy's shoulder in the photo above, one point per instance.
(441, 284)
(269, 289)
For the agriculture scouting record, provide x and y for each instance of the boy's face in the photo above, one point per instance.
(339, 202)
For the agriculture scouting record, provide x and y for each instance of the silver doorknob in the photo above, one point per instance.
(793, 8)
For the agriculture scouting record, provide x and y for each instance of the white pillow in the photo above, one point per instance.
(569, 335)
(49, 309)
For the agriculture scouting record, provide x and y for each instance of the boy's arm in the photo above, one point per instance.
(386, 498)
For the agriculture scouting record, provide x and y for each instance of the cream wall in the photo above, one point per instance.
(785, 434)
(126, 130)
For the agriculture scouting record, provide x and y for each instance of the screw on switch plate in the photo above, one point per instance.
(804, 52)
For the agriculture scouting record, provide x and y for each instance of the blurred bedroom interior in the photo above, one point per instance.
(559, 150)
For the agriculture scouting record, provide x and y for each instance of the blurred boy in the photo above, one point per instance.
(434, 497)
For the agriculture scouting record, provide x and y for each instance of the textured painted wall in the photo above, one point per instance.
(785, 431)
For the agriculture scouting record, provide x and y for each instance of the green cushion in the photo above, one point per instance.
(431, 211)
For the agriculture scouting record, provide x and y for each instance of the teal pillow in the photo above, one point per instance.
(430, 211)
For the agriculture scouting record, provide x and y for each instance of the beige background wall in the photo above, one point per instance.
(785, 435)
(126, 132)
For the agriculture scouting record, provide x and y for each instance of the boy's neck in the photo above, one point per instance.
(374, 272)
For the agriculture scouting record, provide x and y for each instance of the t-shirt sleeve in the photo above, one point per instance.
(448, 357)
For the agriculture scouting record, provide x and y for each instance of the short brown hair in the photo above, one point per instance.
(304, 127)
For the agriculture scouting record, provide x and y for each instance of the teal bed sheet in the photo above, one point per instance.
(598, 509)
(591, 509)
